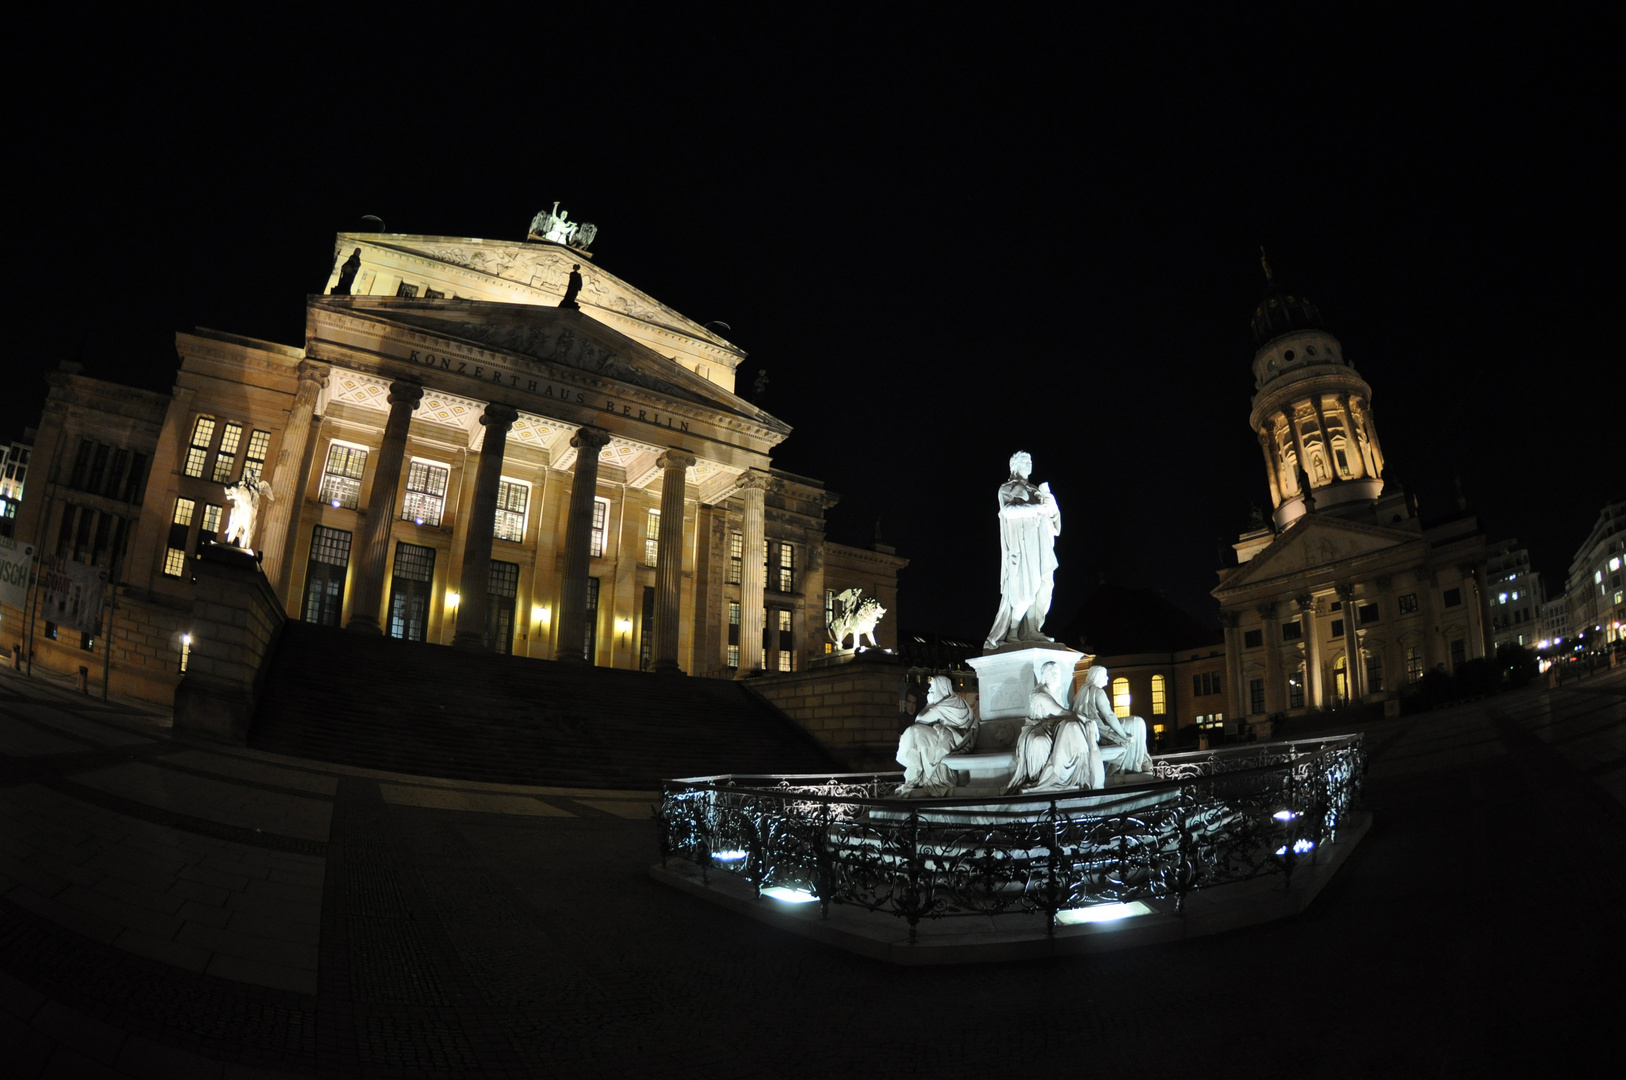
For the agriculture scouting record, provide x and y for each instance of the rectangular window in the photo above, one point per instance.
(646, 631)
(502, 593)
(226, 459)
(734, 632)
(98, 469)
(1368, 613)
(209, 528)
(513, 500)
(197, 454)
(1408, 604)
(410, 591)
(652, 537)
(254, 456)
(1374, 673)
(180, 523)
(1452, 597)
(87, 451)
(113, 478)
(425, 500)
(1256, 695)
(787, 568)
(324, 576)
(1196, 686)
(1252, 639)
(1160, 696)
(1120, 698)
(601, 523)
(135, 479)
(1459, 653)
(1414, 664)
(1292, 630)
(341, 476)
(408, 291)
(1295, 692)
(736, 549)
(1338, 628)
(787, 648)
(590, 642)
(87, 642)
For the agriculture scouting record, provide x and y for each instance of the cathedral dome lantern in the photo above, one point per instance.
(1312, 412)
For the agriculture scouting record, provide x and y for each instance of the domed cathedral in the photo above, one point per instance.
(1344, 595)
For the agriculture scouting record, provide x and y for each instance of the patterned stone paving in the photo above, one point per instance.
(176, 910)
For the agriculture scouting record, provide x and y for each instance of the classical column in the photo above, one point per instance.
(669, 560)
(1372, 434)
(285, 481)
(471, 602)
(1326, 439)
(1271, 469)
(375, 535)
(1312, 653)
(1426, 580)
(1235, 693)
(1359, 465)
(588, 441)
(1475, 575)
(1273, 661)
(753, 573)
(1301, 462)
(1354, 675)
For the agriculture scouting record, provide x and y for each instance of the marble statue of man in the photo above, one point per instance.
(945, 726)
(244, 496)
(1056, 750)
(1029, 522)
(1129, 733)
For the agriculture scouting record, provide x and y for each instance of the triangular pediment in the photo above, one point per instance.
(1319, 546)
(558, 338)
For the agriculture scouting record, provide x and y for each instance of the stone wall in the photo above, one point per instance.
(235, 622)
(851, 708)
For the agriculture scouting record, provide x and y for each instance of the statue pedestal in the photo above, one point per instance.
(1005, 679)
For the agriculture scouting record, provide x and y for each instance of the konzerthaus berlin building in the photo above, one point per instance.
(470, 449)
(1345, 594)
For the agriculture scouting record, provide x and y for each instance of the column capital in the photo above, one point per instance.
(754, 480)
(1267, 610)
(1346, 592)
(1305, 602)
(676, 459)
(591, 438)
(409, 392)
(314, 371)
(1230, 620)
(499, 415)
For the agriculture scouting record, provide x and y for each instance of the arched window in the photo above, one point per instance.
(1120, 697)
(1160, 701)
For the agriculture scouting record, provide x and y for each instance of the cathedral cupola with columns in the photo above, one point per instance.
(1312, 412)
(1345, 596)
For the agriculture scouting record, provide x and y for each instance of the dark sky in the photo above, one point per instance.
(943, 239)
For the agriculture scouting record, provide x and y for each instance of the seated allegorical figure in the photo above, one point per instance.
(946, 725)
(1129, 733)
(1056, 750)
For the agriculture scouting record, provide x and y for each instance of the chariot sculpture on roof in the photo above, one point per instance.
(555, 225)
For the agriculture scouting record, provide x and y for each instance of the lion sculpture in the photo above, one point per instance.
(857, 618)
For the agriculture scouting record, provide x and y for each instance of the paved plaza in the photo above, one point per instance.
(174, 909)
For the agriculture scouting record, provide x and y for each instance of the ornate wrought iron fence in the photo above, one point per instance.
(1206, 819)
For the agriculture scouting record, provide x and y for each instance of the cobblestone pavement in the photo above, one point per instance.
(174, 910)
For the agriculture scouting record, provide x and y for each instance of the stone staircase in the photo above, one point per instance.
(407, 707)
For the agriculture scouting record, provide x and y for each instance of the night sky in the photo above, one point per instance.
(943, 240)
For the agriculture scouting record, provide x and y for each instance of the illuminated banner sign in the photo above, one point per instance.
(16, 563)
(71, 594)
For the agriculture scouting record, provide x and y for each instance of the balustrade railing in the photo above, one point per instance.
(1205, 819)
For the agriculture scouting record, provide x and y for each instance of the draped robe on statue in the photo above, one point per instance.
(946, 725)
(1056, 750)
(1129, 733)
(1029, 522)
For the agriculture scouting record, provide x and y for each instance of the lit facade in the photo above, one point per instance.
(464, 453)
(1596, 587)
(1344, 595)
(14, 462)
(1515, 595)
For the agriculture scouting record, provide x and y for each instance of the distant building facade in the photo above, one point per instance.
(489, 444)
(1596, 587)
(1344, 595)
(1515, 596)
(14, 461)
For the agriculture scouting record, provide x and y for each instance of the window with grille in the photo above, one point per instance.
(197, 454)
(1374, 673)
(1368, 613)
(1459, 653)
(1295, 693)
(1408, 603)
(1252, 639)
(254, 456)
(1414, 664)
(1160, 696)
(425, 500)
(646, 631)
(736, 549)
(734, 632)
(341, 476)
(1256, 696)
(590, 636)
(81, 463)
(410, 591)
(512, 501)
(230, 436)
(180, 522)
(652, 537)
(1292, 630)
(786, 645)
(787, 567)
(502, 591)
(324, 576)
(209, 528)
(601, 523)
